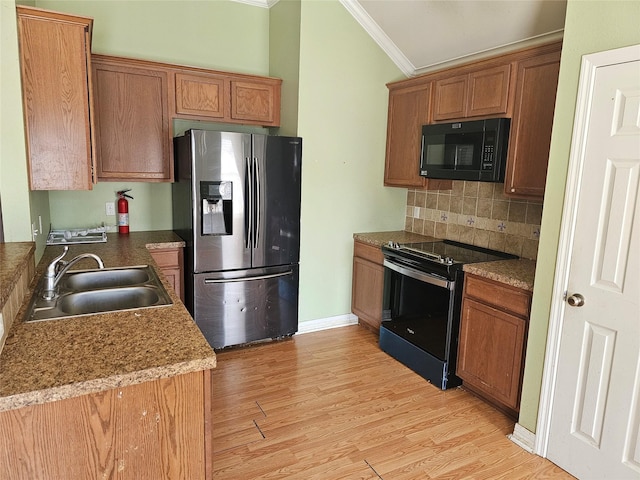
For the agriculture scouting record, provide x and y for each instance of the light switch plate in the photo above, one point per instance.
(110, 208)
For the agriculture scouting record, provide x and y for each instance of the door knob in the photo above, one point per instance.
(575, 300)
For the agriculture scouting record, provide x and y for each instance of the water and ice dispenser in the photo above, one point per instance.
(216, 201)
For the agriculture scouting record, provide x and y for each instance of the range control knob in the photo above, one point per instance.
(393, 244)
(448, 260)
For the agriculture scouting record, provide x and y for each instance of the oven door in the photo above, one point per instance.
(420, 323)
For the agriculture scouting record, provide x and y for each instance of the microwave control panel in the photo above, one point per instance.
(487, 157)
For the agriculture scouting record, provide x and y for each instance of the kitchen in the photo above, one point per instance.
(344, 187)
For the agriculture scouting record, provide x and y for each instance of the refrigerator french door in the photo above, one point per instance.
(236, 203)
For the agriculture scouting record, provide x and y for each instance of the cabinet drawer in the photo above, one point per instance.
(498, 295)
(169, 257)
(368, 252)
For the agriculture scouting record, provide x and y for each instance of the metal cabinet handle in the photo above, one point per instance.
(575, 300)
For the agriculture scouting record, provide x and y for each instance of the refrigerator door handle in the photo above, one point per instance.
(257, 203)
(245, 279)
(248, 202)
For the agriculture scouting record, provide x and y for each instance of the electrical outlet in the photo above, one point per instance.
(110, 208)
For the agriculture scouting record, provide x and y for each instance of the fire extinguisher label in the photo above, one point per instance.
(123, 219)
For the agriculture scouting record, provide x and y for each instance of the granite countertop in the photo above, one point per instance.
(56, 359)
(13, 260)
(378, 239)
(518, 273)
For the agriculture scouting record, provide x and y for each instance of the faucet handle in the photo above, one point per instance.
(51, 269)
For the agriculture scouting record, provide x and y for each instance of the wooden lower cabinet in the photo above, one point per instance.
(491, 348)
(367, 284)
(171, 263)
(157, 429)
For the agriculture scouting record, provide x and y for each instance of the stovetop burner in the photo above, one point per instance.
(445, 252)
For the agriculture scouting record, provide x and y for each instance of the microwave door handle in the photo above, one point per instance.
(420, 276)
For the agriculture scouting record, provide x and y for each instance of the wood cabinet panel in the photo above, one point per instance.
(133, 128)
(489, 91)
(479, 93)
(491, 352)
(491, 348)
(367, 284)
(408, 112)
(530, 137)
(256, 101)
(156, 429)
(171, 263)
(514, 300)
(200, 95)
(451, 98)
(57, 98)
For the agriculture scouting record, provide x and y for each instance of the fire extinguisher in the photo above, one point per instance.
(123, 211)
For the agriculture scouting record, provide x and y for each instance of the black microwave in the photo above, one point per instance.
(473, 150)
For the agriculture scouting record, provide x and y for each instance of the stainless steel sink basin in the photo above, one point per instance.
(85, 292)
(105, 278)
(108, 299)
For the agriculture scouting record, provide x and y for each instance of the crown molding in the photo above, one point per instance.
(378, 35)
(258, 3)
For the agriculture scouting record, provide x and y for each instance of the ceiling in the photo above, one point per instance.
(424, 35)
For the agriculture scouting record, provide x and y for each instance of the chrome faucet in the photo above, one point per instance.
(58, 267)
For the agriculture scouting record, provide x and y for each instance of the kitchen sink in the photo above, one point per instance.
(108, 300)
(104, 278)
(85, 292)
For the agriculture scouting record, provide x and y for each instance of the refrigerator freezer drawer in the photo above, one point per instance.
(235, 308)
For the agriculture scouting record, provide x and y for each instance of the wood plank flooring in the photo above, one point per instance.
(331, 405)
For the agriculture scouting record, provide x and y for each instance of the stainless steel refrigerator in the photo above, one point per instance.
(236, 203)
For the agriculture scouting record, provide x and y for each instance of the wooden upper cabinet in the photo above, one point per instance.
(451, 98)
(530, 137)
(408, 111)
(256, 101)
(133, 127)
(201, 95)
(227, 97)
(489, 91)
(57, 98)
(479, 93)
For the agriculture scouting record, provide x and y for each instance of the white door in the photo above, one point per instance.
(595, 413)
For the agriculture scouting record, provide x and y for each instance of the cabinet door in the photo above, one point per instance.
(256, 101)
(408, 111)
(133, 128)
(490, 352)
(56, 93)
(170, 261)
(451, 98)
(366, 295)
(530, 137)
(200, 95)
(489, 91)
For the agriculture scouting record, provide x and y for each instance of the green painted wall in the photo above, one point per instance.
(590, 26)
(14, 183)
(342, 118)
(284, 60)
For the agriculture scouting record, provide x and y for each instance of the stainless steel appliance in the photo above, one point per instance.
(236, 203)
(471, 150)
(421, 304)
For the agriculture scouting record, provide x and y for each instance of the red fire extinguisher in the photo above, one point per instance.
(123, 211)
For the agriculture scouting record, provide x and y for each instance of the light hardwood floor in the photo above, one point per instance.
(331, 405)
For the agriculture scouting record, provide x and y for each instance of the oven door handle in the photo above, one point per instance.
(420, 276)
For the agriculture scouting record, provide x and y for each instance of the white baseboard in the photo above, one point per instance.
(523, 438)
(326, 323)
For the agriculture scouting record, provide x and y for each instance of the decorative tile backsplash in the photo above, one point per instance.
(477, 213)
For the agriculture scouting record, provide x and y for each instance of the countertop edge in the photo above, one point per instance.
(72, 390)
